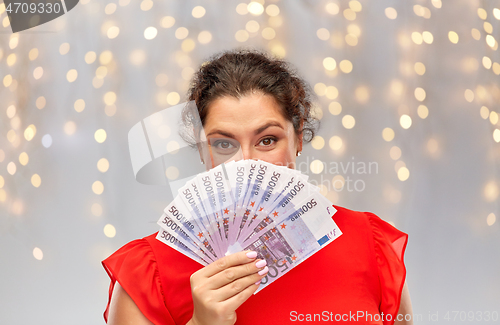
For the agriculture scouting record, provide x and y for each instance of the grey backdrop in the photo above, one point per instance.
(452, 256)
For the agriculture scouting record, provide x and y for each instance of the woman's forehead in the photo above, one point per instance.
(249, 110)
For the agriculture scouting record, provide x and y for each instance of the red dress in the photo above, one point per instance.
(356, 279)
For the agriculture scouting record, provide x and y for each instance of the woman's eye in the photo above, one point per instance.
(268, 141)
(224, 145)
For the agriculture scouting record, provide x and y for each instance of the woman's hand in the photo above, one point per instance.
(221, 287)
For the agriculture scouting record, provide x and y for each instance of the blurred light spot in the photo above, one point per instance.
(427, 37)
(491, 191)
(338, 182)
(488, 28)
(109, 230)
(17, 207)
(482, 13)
(420, 68)
(97, 82)
(242, 8)
(420, 94)
(97, 187)
(69, 127)
(30, 132)
(11, 59)
(345, 66)
(332, 92)
(348, 121)
(395, 153)
(490, 219)
(486, 62)
(422, 111)
(11, 111)
(405, 121)
(110, 98)
(36, 181)
(493, 117)
(272, 10)
(100, 135)
(204, 37)
(181, 33)
(11, 168)
(14, 41)
(278, 50)
(416, 37)
(105, 57)
(150, 33)
(188, 45)
(316, 112)
(453, 36)
(146, 5)
(24, 158)
(318, 142)
(64, 48)
(252, 26)
(496, 13)
(320, 89)
(79, 105)
(101, 72)
(103, 165)
(469, 95)
(496, 135)
(173, 98)
(113, 32)
(332, 8)
(110, 8)
(362, 94)
(38, 73)
(33, 54)
(351, 40)
(37, 253)
(355, 6)
(137, 57)
(71, 75)
(391, 13)
(172, 173)
(433, 147)
(255, 8)
(198, 12)
(161, 80)
(476, 34)
(335, 108)
(241, 35)
(349, 14)
(484, 112)
(388, 134)
(268, 33)
(167, 22)
(2, 181)
(110, 110)
(96, 209)
(90, 57)
(187, 73)
(316, 166)
(403, 174)
(46, 141)
(354, 30)
(323, 34)
(173, 147)
(490, 40)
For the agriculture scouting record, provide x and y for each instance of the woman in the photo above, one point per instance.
(260, 102)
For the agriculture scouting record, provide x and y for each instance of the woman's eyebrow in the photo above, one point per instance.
(224, 133)
(267, 125)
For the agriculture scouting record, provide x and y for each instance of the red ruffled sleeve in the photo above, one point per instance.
(390, 245)
(134, 267)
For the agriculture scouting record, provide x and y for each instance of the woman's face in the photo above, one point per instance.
(252, 127)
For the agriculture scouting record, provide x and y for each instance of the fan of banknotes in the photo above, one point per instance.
(249, 205)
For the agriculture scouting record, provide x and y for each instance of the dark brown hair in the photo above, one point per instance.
(239, 72)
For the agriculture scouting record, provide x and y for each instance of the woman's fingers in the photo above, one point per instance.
(240, 285)
(227, 262)
(232, 274)
(235, 301)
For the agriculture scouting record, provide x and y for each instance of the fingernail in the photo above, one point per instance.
(264, 271)
(252, 254)
(260, 264)
(258, 282)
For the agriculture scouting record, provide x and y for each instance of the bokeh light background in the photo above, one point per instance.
(411, 86)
